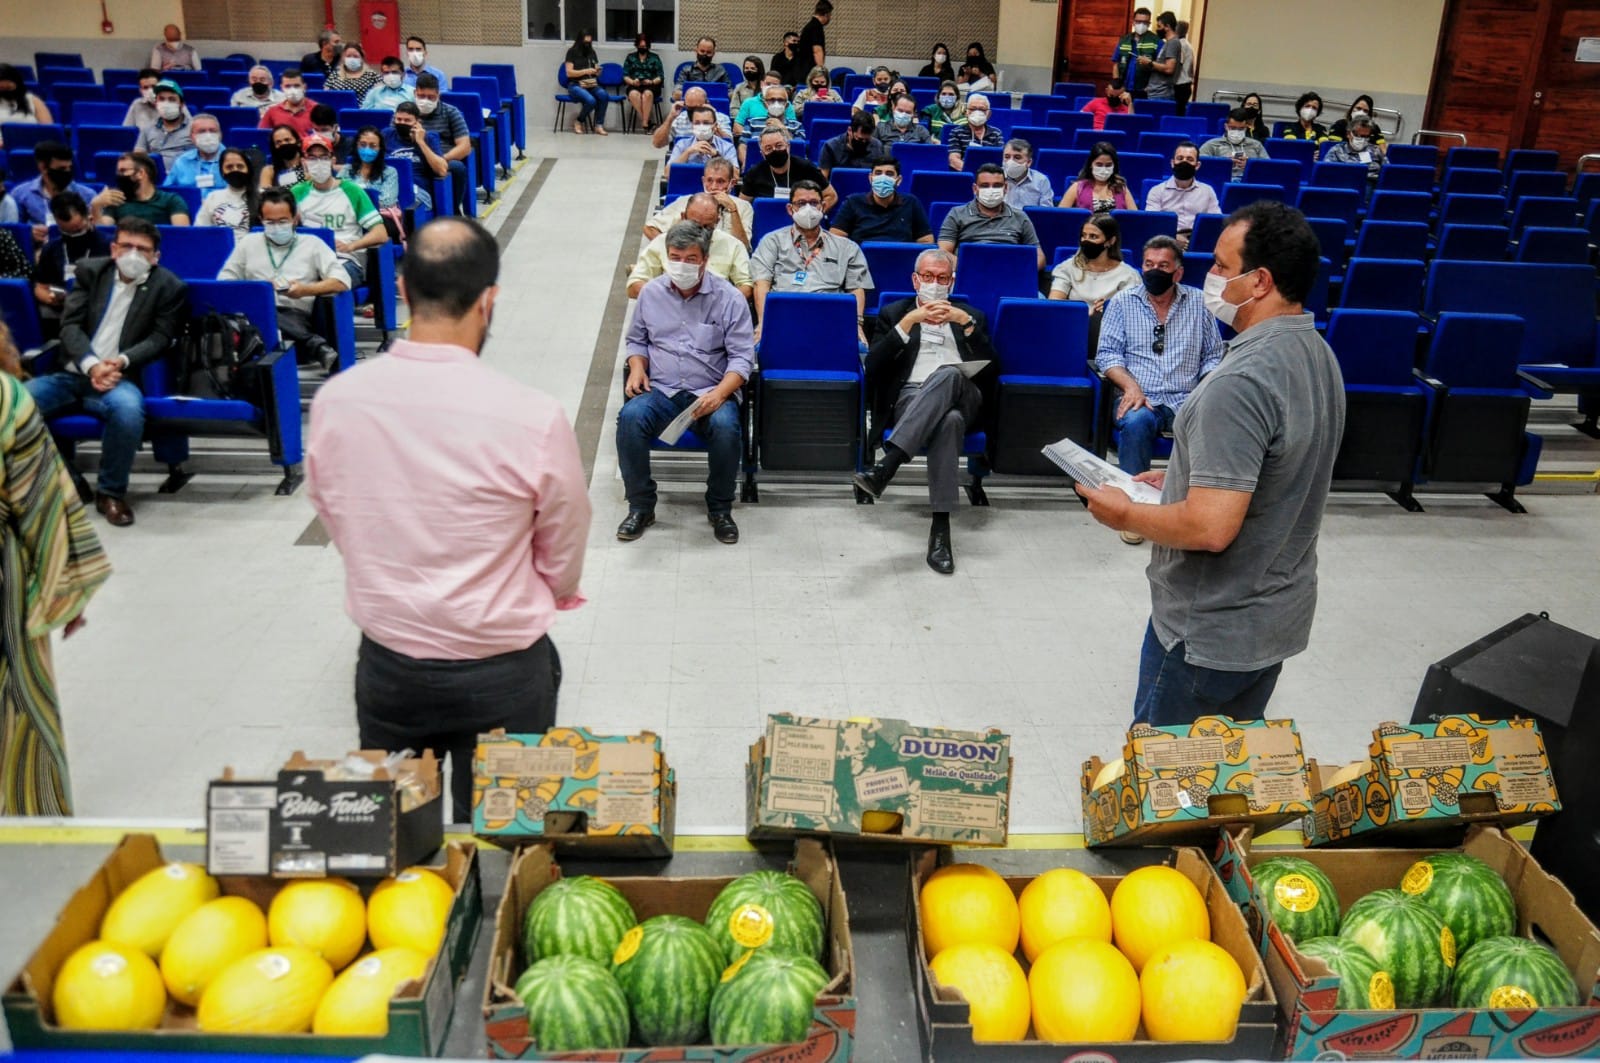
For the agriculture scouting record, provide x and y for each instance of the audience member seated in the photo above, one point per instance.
(755, 77)
(1182, 194)
(18, 106)
(818, 90)
(287, 166)
(1095, 273)
(857, 147)
(391, 90)
(790, 66)
(354, 74)
(677, 124)
(705, 68)
(946, 109)
(1100, 185)
(200, 166)
(976, 130)
(14, 262)
(977, 73)
(1114, 101)
(583, 85)
(448, 123)
(135, 195)
(914, 385)
(807, 258)
(1164, 65)
(324, 201)
(779, 170)
(1156, 343)
(172, 52)
(938, 64)
(883, 213)
(1236, 143)
(417, 62)
(987, 219)
(325, 60)
(171, 134)
(901, 125)
(235, 203)
(1361, 107)
(897, 88)
(300, 268)
(1257, 125)
(53, 160)
(735, 216)
(1308, 108)
(106, 334)
(869, 99)
(76, 239)
(725, 256)
(1025, 186)
(371, 172)
(325, 124)
(142, 111)
(642, 79)
(689, 344)
(295, 110)
(757, 111)
(406, 139)
(259, 93)
(702, 144)
(1360, 146)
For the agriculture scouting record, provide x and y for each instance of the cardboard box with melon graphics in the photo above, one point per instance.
(1182, 783)
(602, 795)
(878, 780)
(1424, 778)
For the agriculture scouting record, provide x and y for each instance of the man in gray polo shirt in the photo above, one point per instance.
(808, 258)
(988, 219)
(1233, 574)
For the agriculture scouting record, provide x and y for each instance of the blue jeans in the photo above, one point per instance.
(1173, 691)
(1137, 432)
(461, 184)
(356, 271)
(591, 103)
(121, 408)
(642, 419)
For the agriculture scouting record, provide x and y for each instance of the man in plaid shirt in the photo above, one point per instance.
(976, 130)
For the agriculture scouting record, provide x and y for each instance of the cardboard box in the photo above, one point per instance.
(1307, 989)
(814, 776)
(833, 1018)
(419, 1015)
(943, 1011)
(602, 795)
(306, 825)
(1183, 783)
(1428, 778)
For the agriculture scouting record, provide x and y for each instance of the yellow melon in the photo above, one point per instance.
(323, 915)
(1062, 903)
(996, 989)
(1083, 990)
(357, 1004)
(1109, 771)
(144, 915)
(274, 990)
(1191, 991)
(108, 986)
(209, 938)
(1153, 907)
(968, 902)
(410, 911)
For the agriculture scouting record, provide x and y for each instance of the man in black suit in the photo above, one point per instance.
(913, 371)
(124, 313)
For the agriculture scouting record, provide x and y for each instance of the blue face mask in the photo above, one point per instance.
(883, 186)
(367, 154)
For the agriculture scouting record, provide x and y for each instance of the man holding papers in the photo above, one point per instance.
(689, 348)
(930, 375)
(1233, 575)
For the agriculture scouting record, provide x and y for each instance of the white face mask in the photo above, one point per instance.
(352, 63)
(1141, 27)
(417, 58)
(149, 95)
(1015, 169)
(978, 117)
(932, 292)
(1220, 308)
(808, 217)
(1236, 136)
(427, 106)
(169, 109)
(940, 58)
(319, 170)
(208, 142)
(393, 81)
(278, 232)
(702, 131)
(991, 197)
(947, 101)
(1358, 143)
(776, 108)
(683, 275)
(133, 266)
(295, 93)
(1102, 173)
(1360, 112)
(1308, 113)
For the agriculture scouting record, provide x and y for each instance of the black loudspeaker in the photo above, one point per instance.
(1534, 667)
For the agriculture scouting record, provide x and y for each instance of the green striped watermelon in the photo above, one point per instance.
(1363, 985)
(573, 1005)
(1409, 940)
(1513, 972)
(1298, 897)
(766, 909)
(766, 998)
(578, 916)
(668, 967)
(1474, 902)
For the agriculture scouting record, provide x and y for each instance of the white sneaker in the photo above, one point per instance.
(1132, 538)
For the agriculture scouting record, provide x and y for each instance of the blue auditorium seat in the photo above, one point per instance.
(1554, 212)
(1392, 239)
(1552, 244)
(1057, 227)
(1046, 389)
(1382, 284)
(914, 157)
(990, 272)
(810, 389)
(1386, 410)
(1473, 243)
(1241, 194)
(1285, 173)
(1389, 205)
(1319, 202)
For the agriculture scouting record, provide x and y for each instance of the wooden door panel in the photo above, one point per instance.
(1481, 84)
(1565, 119)
(1091, 29)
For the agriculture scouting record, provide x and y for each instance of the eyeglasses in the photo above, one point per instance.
(1159, 345)
(935, 278)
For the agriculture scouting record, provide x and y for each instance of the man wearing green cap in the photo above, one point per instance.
(169, 136)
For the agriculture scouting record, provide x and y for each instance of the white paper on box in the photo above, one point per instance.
(238, 840)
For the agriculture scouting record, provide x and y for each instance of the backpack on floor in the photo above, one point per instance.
(221, 356)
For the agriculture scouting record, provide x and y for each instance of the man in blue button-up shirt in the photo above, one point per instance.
(201, 166)
(690, 345)
(32, 197)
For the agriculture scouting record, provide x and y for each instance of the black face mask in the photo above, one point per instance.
(750, 75)
(60, 178)
(1113, 96)
(1183, 171)
(1252, 111)
(260, 89)
(779, 159)
(704, 60)
(642, 48)
(128, 186)
(284, 154)
(1157, 281)
(236, 178)
(1091, 251)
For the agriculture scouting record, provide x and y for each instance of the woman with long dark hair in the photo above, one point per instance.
(583, 84)
(1100, 186)
(18, 106)
(236, 205)
(285, 167)
(1096, 272)
(938, 64)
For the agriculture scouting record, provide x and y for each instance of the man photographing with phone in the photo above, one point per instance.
(406, 139)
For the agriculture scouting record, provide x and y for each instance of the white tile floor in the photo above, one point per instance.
(218, 641)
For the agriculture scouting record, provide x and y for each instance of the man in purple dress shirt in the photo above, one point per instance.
(690, 344)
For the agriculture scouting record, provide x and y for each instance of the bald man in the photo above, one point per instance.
(173, 52)
(678, 125)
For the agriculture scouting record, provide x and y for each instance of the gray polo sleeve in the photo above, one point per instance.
(1228, 432)
(764, 263)
(856, 274)
(1025, 231)
(950, 228)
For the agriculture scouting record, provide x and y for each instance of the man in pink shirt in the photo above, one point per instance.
(1115, 101)
(460, 505)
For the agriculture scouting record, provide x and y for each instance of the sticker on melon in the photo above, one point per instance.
(1511, 996)
(1447, 946)
(1418, 879)
(750, 926)
(736, 966)
(627, 946)
(1296, 893)
(1380, 991)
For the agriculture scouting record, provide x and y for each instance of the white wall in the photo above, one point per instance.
(1027, 45)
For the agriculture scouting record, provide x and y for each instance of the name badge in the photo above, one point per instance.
(933, 335)
(204, 180)
(1365, 156)
(800, 276)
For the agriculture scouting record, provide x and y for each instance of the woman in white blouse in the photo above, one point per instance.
(236, 205)
(18, 106)
(1096, 272)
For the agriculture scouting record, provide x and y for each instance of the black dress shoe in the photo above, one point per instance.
(874, 480)
(723, 527)
(940, 557)
(634, 524)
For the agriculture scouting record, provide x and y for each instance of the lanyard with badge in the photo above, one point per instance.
(804, 269)
(278, 281)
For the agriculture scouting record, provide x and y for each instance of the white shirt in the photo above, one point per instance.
(307, 260)
(938, 348)
(226, 208)
(672, 213)
(107, 342)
